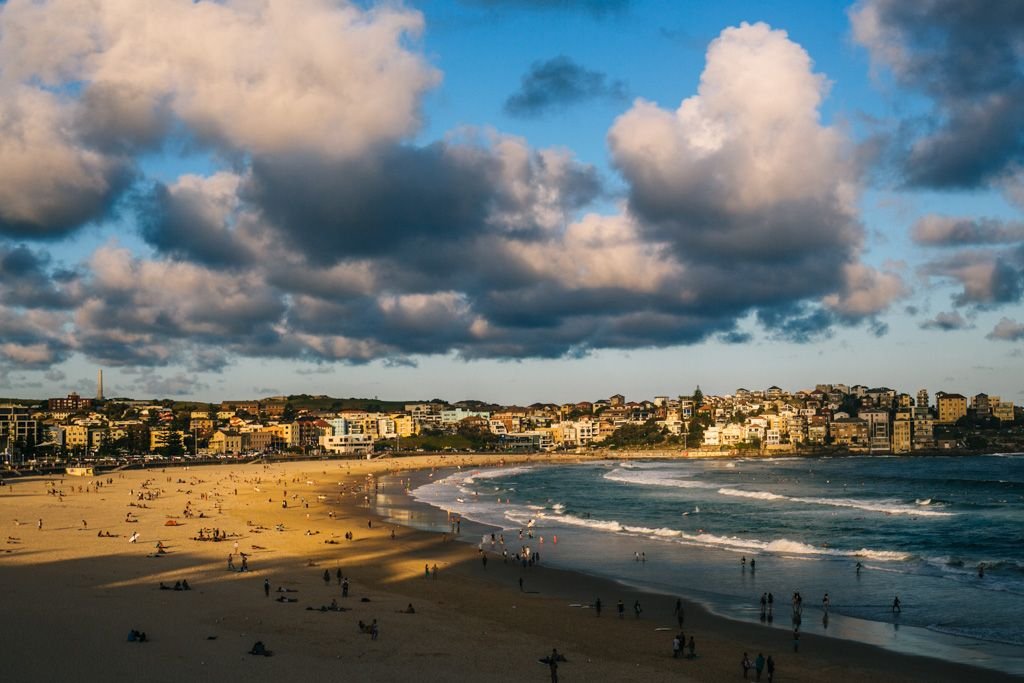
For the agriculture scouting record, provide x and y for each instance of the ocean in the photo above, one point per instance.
(723, 532)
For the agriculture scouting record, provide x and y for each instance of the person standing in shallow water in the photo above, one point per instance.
(266, 587)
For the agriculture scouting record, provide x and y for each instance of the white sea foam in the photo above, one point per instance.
(781, 546)
(987, 634)
(891, 507)
(495, 473)
(757, 495)
(650, 478)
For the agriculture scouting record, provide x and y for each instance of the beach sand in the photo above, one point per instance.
(71, 597)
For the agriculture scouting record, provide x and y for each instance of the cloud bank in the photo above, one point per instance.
(326, 233)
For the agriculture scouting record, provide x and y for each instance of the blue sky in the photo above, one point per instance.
(510, 200)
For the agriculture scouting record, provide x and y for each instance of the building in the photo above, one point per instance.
(76, 437)
(202, 425)
(923, 434)
(250, 407)
(223, 442)
(286, 433)
(72, 403)
(950, 407)
(453, 416)
(851, 432)
(347, 444)
(921, 410)
(1001, 410)
(274, 408)
(981, 406)
(19, 432)
(902, 434)
(878, 430)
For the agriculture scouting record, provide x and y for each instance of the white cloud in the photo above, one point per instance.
(260, 76)
(50, 183)
(750, 136)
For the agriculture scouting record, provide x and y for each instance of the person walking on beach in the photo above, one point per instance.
(759, 665)
(679, 612)
(692, 647)
(896, 605)
(636, 608)
(764, 605)
(520, 584)
(745, 665)
(677, 647)
(597, 606)
(337, 575)
(770, 666)
(622, 609)
(266, 587)
(327, 577)
(231, 562)
(825, 602)
(40, 524)
(771, 601)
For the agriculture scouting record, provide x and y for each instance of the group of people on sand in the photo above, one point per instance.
(178, 586)
(681, 648)
(759, 666)
(372, 628)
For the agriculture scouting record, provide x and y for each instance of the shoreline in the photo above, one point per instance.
(914, 641)
(413, 461)
(84, 592)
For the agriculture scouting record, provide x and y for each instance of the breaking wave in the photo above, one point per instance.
(887, 507)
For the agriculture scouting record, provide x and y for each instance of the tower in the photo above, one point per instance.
(99, 385)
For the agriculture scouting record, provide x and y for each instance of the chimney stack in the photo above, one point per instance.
(99, 385)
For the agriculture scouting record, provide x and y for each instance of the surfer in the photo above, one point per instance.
(896, 605)
(859, 567)
(825, 602)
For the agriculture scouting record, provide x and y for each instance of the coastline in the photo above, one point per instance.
(893, 637)
(85, 593)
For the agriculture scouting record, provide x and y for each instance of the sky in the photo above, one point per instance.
(510, 200)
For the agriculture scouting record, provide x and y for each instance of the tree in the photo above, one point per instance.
(698, 397)
(171, 445)
(695, 430)
(646, 434)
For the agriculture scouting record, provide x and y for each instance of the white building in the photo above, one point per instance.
(347, 444)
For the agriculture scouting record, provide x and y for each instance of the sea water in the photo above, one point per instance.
(921, 527)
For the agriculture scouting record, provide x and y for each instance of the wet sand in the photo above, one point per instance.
(72, 597)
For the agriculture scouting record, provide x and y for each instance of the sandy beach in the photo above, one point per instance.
(72, 597)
